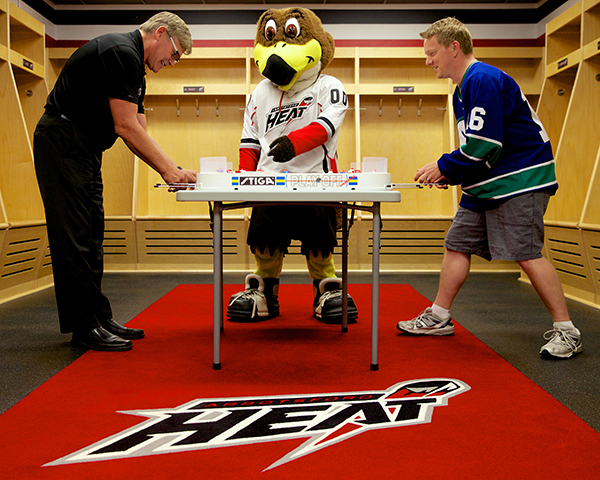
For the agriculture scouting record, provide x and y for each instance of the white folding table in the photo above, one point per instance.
(232, 198)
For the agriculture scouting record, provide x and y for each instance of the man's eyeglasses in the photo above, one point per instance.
(176, 55)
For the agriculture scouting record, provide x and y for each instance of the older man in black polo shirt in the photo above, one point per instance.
(97, 98)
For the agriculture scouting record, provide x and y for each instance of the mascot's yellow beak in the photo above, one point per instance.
(283, 63)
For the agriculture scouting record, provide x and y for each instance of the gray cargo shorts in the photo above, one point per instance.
(512, 231)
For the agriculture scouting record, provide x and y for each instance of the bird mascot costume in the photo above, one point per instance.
(292, 124)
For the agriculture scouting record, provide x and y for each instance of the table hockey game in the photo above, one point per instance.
(247, 189)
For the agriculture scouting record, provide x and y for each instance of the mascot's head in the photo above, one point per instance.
(292, 45)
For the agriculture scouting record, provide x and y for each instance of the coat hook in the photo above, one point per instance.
(178, 110)
(217, 103)
(420, 103)
(197, 109)
(399, 107)
(380, 105)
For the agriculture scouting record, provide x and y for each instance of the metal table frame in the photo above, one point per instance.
(239, 199)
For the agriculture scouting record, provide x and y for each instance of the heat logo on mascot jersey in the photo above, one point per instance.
(324, 419)
(287, 113)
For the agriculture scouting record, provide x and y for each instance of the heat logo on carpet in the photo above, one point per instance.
(325, 419)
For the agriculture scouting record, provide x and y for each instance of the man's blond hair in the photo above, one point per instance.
(175, 26)
(448, 30)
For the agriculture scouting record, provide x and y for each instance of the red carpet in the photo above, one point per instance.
(295, 399)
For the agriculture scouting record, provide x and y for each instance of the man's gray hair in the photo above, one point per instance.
(448, 30)
(175, 26)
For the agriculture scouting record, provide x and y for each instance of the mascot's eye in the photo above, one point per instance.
(270, 29)
(292, 28)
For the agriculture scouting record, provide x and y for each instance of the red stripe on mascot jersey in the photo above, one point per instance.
(308, 137)
(249, 159)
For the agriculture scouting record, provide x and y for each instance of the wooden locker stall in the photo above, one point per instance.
(571, 100)
(4, 30)
(563, 246)
(24, 255)
(590, 217)
(4, 86)
(193, 110)
(118, 176)
(405, 116)
(342, 67)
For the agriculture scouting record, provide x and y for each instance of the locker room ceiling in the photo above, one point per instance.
(126, 12)
(277, 3)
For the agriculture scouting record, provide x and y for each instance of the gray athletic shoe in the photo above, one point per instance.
(562, 343)
(427, 323)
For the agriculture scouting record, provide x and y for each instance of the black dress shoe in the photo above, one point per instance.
(100, 339)
(121, 331)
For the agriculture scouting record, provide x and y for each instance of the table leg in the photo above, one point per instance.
(344, 269)
(375, 286)
(217, 284)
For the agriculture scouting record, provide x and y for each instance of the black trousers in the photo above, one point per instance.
(70, 180)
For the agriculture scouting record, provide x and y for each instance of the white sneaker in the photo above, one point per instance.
(562, 343)
(427, 323)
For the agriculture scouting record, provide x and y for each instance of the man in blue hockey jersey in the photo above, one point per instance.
(506, 171)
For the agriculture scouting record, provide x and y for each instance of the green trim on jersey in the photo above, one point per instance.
(481, 149)
(531, 178)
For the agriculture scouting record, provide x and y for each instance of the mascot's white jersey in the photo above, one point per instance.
(272, 113)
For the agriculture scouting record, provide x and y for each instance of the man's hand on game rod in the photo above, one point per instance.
(179, 177)
(430, 174)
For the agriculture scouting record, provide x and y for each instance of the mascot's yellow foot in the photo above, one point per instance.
(259, 301)
(327, 305)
